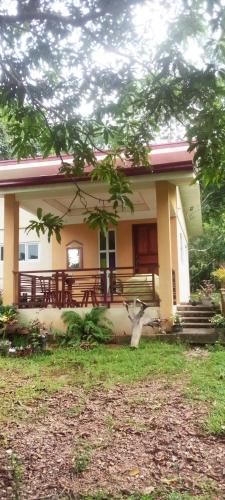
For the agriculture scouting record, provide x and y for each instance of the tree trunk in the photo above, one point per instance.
(138, 321)
(136, 332)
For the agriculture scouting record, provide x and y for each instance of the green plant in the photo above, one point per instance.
(81, 461)
(219, 274)
(17, 473)
(177, 320)
(206, 289)
(4, 347)
(8, 316)
(93, 327)
(218, 321)
(37, 335)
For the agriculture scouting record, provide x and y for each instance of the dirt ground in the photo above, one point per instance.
(146, 439)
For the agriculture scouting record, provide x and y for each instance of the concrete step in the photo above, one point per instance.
(200, 312)
(198, 331)
(197, 325)
(196, 319)
(200, 308)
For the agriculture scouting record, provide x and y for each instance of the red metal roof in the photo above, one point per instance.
(164, 158)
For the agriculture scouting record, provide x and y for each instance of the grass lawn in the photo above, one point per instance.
(84, 410)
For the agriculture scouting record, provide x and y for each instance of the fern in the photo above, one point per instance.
(94, 326)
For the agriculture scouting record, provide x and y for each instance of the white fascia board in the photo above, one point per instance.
(191, 203)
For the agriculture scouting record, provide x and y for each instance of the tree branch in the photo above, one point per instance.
(77, 22)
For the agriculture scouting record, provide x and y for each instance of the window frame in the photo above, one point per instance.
(26, 252)
(26, 246)
(107, 251)
(22, 260)
(80, 250)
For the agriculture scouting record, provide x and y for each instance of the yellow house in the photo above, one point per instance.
(145, 255)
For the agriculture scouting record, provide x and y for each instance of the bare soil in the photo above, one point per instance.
(145, 439)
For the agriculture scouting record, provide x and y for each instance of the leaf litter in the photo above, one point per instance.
(144, 439)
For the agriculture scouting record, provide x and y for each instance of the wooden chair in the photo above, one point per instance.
(92, 293)
(48, 290)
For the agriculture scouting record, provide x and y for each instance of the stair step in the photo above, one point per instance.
(197, 314)
(197, 325)
(195, 319)
(200, 331)
(197, 308)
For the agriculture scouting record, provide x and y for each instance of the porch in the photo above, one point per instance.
(62, 288)
(144, 256)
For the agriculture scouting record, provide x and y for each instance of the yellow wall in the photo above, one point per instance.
(11, 249)
(164, 248)
(90, 244)
(174, 248)
(87, 237)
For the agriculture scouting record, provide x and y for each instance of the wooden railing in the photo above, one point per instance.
(79, 288)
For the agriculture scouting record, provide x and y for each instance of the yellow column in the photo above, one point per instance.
(175, 243)
(11, 249)
(164, 249)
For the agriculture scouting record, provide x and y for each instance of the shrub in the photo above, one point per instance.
(8, 315)
(37, 335)
(93, 327)
(219, 274)
(218, 321)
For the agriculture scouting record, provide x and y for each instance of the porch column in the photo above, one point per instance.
(174, 239)
(11, 249)
(164, 249)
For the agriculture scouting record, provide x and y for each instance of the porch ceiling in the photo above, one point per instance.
(144, 201)
(56, 198)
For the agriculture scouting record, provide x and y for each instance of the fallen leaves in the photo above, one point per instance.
(154, 445)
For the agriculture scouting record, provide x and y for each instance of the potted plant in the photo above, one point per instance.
(177, 323)
(205, 293)
(218, 321)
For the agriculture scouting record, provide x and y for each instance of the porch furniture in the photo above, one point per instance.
(92, 292)
(69, 300)
(48, 290)
(64, 290)
(89, 292)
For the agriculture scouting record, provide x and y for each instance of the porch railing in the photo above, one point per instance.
(79, 288)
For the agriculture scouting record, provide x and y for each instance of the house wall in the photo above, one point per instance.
(118, 315)
(89, 239)
(183, 258)
(45, 251)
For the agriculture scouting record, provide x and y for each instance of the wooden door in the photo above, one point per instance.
(145, 248)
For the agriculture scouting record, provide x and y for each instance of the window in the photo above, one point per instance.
(74, 258)
(22, 251)
(108, 250)
(32, 251)
(28, 251)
